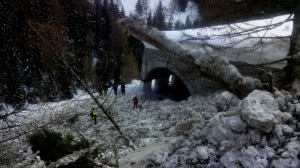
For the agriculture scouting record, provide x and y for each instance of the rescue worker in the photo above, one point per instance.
(94, 114)
(115, 88)
(123, 88)
(135, 102)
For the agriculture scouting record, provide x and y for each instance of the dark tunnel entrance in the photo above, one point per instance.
(160, 83)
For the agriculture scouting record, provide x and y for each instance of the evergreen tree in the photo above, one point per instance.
(181, 4)
(178, 25)
(116, 48)
(188, 24)
(101, 41)
(114, 10)
(122, 13)
(35, 41)
(170, 23)
(139, 7)
(145, 7)
(137, 48)
(159, 17)
(196, 23)
(20, 69)
(78, 23)
(108, 44)
(8, 50)
(149, 19)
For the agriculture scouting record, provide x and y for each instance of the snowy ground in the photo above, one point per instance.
(214, 131)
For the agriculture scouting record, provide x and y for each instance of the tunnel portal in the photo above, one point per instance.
(161, 83)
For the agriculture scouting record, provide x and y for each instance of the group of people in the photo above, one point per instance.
(135, 100)
(94, 112)
(115, 88)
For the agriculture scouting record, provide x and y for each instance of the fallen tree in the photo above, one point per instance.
(213, 67)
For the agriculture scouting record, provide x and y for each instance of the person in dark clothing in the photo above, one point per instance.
(94, 114)
(135, 102)
(123, 88)
(115, 88)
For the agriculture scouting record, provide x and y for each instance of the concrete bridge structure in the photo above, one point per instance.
(165, 76)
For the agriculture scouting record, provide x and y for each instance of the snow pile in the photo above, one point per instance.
(215, 131)
(262, 113)
(232, 139)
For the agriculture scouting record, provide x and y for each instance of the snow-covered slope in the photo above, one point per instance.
(248, 42)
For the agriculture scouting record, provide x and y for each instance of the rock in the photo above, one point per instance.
(293, 148)
(202, 152)
(286, 117)
(297, 111)
(273, 142)
(278, 130)
(219, 134)
(269, 152)
(288, 96)
(286, 129)
(235, 123)
(225, 144)
(245, 157)
(281, 103)
(291, 107)
(284, 163)
(224, 101)
(260, 110)
(285, 155)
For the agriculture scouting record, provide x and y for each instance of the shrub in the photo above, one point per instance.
(73, 119)
(53, 146)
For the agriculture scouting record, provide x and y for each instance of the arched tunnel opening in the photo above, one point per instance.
(161, 83)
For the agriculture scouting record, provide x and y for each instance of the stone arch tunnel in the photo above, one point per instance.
(166, 77)
(163, 83)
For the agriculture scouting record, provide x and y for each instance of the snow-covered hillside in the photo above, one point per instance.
(253, 42)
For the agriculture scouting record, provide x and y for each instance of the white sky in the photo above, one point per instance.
(129, 5)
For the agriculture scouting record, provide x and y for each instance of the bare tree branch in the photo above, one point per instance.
(237, 31)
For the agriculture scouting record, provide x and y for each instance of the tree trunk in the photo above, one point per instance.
(292, 70)
(213, 67)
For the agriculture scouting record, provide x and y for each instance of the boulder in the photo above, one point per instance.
(260, 110)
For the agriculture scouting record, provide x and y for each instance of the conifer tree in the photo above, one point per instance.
(122, 13)
(149, 19)
(139, 7)
(170, 23)
(159, 17)
(137, 48)
(181, 4)
(188, 22)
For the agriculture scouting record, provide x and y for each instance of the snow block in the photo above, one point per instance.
(260, 110)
